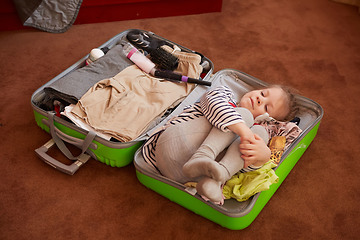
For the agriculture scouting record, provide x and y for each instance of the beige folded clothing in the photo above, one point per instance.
(124, 106)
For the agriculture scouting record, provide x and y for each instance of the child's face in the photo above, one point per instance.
(271, 100)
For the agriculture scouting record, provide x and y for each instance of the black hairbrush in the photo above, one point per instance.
(168, 75)
(144, 41)
(163, 59)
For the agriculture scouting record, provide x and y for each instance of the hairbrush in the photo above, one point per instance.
(168, 75)
(163, 59)
(144, 41)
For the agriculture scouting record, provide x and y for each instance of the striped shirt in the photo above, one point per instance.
(217, 106)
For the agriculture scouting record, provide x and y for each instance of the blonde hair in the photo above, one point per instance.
(293, 107)
(290, 94)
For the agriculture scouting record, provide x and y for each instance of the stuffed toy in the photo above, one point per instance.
(277, 146)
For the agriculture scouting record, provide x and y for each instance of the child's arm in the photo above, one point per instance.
(253, 148)
(216, 107)
(240, 129)
(255, 153)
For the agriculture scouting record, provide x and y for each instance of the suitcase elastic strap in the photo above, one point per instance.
(60, 143)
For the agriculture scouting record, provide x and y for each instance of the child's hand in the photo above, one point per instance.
(247, 136)
(254, 152)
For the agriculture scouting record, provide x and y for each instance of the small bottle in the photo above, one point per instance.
(139, 59)
(94, 55)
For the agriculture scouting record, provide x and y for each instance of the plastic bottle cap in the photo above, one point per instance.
(96, 54)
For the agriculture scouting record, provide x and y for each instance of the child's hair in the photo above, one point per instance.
(292, 104)
(290, 93)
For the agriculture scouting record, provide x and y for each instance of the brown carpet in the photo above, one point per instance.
(312, 45)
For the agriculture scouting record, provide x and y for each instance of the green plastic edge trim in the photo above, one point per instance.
(234, 223)
(109, 156)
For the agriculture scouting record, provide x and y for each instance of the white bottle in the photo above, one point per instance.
(94, 55)
(139, 59)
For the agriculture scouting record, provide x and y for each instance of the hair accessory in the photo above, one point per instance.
(177, 77)
(163, 59)
(143, 41)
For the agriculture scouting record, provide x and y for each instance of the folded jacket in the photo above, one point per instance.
(126, 104)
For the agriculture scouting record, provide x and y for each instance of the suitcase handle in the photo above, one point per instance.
(58, 138)
(68, 169)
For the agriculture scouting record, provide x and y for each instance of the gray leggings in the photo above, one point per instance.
(178, 143)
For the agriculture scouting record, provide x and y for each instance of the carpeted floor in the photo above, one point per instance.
(312, 45)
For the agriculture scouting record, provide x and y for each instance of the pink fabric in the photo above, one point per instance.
(276, 128)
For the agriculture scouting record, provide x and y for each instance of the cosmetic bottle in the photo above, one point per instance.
(139, 59)
(94, 55)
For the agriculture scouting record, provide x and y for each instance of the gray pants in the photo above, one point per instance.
(179, 143)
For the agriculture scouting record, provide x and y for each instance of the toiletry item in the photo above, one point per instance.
(139, 59)
(95, 54)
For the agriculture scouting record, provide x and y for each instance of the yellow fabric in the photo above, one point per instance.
(242, 186)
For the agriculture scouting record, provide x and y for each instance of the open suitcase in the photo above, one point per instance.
(233, 214)
(64, 132)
